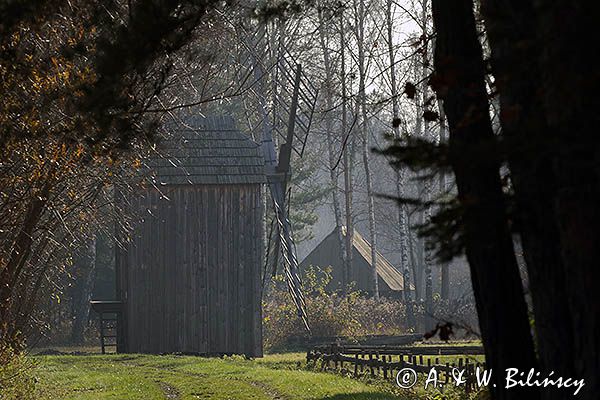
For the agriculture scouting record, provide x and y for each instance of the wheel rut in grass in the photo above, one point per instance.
(268, 390)
(170, 392)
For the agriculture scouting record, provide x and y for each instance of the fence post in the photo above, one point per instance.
(385, 372)
(469, 380)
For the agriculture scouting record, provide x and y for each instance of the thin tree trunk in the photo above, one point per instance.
(428, 184)
(346, 142)
(17, 261)
(417, 247)
(86, 267)
(371, 211)
(266, 128)
(362, 98)
(415, 257)
(443, 185)
(403, 227)
(333, 175)
(459, 82)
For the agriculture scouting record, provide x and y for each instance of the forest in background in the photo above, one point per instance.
(321, 201)
(486, 112)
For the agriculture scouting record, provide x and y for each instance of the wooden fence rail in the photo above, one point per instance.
(388, 361)
(368, 340)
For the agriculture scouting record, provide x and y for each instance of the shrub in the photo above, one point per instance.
(16, 379)
(329, 313)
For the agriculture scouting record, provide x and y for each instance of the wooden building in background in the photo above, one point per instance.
(189, 278)
(327, 254)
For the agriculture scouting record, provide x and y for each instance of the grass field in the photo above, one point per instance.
(279, 376)
(82, 373)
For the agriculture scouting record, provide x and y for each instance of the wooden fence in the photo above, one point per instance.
(388, 361)
(305, 342)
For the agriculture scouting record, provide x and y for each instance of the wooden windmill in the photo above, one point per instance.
(285, 110)
(188, 272)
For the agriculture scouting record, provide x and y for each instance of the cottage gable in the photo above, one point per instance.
(327, 253)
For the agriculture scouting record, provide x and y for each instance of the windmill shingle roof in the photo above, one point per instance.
(206, 150)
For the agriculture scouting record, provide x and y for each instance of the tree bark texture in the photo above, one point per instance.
(364, 121)
(459, 82)
(84, 285)
(570, 82)
(333, 173)
(511, 33)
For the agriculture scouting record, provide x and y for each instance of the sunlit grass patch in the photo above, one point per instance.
(186, 377)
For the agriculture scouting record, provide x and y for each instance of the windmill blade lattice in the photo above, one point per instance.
(277, 68)
(290, 263)
(285, 100)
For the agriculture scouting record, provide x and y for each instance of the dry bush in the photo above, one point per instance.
(16, 379)
(329, 313)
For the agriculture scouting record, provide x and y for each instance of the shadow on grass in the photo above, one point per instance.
(66, 351)
(363, 396)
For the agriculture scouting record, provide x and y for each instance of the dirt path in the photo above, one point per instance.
(175, 378)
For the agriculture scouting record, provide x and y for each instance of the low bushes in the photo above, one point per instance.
(16, 378)
(329, 313)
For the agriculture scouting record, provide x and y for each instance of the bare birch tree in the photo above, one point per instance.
(404, 228)
(360, 17)
(329, 133)
(346, 143)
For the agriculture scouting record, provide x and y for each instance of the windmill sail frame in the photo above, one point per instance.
(289, 118)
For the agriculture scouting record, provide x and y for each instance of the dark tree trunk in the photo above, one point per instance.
(571, 83)
(10, 272)
(515, 54)
(85, 269)
(443, 187)
(459, 82)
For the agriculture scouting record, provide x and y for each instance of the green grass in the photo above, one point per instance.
(279, 376)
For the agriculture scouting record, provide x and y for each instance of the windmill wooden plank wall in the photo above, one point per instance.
(189, 278)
